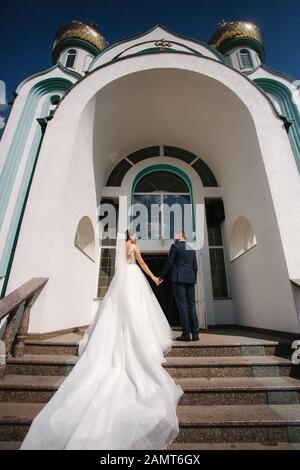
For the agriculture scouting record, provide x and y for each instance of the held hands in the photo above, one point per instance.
(157, 280)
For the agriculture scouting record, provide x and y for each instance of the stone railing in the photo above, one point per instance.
(14, 314)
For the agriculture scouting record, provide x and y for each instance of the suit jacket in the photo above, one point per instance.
(181, 264)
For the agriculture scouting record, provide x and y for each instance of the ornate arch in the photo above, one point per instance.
(207, 177)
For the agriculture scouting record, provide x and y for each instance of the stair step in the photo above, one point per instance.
(250, 366)
(198, 424)
(51, 347)
(197, 391)
(230, 349)
(221, 375)
(239, 391)
(239, 423)
(233, 446)
(10, 445)
(236, 366)
(15, 419)
(41, 364)
(15, 445)
(29, 388)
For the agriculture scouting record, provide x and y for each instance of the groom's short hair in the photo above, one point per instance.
(182, 233)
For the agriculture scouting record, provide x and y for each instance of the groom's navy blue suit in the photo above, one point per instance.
(183, 275)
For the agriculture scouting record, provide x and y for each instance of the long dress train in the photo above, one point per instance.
(118, 395)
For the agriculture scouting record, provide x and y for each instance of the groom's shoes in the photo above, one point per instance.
(183, 338)
(195, 338)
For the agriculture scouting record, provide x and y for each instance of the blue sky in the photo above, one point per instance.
(28, 27)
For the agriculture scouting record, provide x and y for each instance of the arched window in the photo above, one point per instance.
(161, 181)
(71, 58)
(119, 171)
(162, 205)
(85, 237)
(242, 238)
(245, 59)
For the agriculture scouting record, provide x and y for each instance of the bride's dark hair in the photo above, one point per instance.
(128, 234)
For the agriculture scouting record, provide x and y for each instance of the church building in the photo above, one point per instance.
(155, 118)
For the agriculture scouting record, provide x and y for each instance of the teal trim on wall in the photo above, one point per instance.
(22, 189)
(289, 109)
(23, 128)
(46, 72)
(15, 155)
(283, 75)
(172, 169)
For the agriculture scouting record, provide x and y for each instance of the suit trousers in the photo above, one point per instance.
(184, 294)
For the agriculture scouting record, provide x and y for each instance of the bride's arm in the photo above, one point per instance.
(144, 266)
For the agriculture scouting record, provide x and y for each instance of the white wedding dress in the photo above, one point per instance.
(118, 396)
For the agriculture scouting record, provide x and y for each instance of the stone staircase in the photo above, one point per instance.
(241, 390)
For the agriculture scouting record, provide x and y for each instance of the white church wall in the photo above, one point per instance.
(19, 142)
(249, 296)
(56, 71)
(268, 73)
(224, 312)
(259, 278)
(82, 60)
(52, 253)
(249, 159)
(157, 34)
(19, 176)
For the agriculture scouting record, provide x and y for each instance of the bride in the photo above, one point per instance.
(118, 395)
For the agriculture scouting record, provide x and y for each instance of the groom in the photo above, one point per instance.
(183, 265)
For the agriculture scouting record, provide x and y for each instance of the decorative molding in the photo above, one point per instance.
(15, 155)
(157, 46)
(215, 52)
(163, 44)
(46, 72)
(196, 163)
(290, 117)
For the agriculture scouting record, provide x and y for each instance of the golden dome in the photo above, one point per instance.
(79, 30)
(230, 30)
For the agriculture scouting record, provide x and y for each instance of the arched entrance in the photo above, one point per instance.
(165, 197)
(188, 102)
